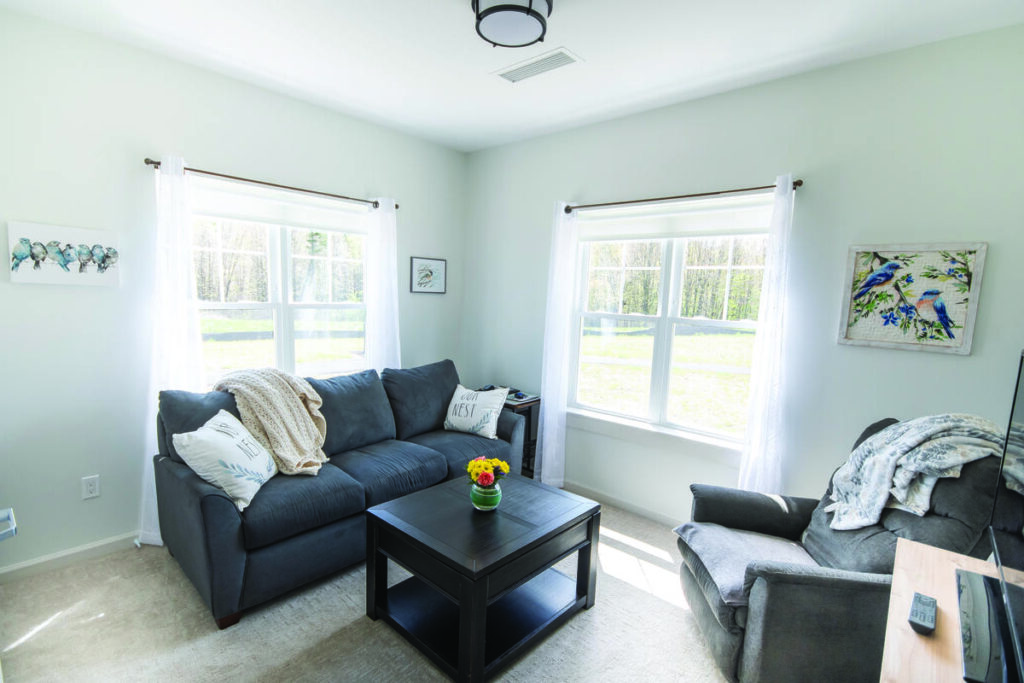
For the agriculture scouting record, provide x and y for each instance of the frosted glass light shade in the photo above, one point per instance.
(512, 23)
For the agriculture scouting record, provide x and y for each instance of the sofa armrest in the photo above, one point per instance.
(813, 623)
(511, 428)
(202, 528)
(784, 516)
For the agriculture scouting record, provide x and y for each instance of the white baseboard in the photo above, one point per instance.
(601, 496)
(66, 558)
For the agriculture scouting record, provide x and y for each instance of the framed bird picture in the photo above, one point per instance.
(918, 297)
(58, 255)
(428, 275)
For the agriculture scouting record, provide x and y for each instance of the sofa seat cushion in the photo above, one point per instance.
(289, 505)
(356, 409)
(185, 411)
(391, 469)
(718, 558)
(459, 448)
(420, 396)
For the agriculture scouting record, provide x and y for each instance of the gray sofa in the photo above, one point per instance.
(779, 596)
(385, 438)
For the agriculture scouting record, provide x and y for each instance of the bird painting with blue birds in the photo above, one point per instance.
(62, 257)
(84, 257)
(38, 254)
(21, 251)
(932, 304)
(878, 278)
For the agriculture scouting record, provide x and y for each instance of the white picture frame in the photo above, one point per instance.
(914, 297)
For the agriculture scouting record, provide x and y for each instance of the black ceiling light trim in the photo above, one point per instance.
(530, 22)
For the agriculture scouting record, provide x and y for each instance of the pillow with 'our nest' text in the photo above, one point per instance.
(475, 412)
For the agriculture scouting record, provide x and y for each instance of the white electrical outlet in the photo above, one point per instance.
(90, 487)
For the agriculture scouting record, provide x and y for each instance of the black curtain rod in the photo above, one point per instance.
(375, 204)
(569, 209)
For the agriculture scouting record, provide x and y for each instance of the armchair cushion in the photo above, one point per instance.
(718, 558)
(356, 409)
(420, 396)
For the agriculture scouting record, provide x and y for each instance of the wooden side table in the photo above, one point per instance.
(909, 656)
(531, 411)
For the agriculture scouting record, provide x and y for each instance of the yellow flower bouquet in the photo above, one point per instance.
(486, 472)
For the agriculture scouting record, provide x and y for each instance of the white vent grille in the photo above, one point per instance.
(552, 60)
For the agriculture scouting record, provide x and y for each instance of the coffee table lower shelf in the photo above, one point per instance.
(430, 621)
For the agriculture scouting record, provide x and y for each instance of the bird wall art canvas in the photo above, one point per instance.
(58, 255)
(428, 275)
(913, 296)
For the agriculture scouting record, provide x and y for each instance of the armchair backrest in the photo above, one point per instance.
(958, 516)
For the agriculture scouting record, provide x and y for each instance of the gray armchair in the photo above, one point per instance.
(779, 596)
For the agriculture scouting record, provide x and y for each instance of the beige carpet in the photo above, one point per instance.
(133, 616)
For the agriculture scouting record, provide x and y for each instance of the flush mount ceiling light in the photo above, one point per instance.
(515, 23)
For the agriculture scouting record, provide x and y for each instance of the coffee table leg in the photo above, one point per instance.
(472, 630)
(376, 573)
(586, 564)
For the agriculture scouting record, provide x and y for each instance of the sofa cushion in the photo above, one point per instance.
(225, 454)
(458, 448)
(475, 412)
(185, 411)
(390, 469)
(290, 505)
(718, 558)
(958, 516)
(420, 396)
(357, 411)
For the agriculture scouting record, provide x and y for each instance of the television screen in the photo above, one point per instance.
(992, 607)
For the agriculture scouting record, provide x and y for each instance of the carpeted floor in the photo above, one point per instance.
(133, 616)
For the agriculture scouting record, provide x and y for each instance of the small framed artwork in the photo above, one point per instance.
(58, 255)
(428, 275)
(916, 297)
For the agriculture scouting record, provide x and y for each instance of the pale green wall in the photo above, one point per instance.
(919, 146)
(77, 116)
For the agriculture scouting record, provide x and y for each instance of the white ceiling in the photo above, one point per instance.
(418, 65)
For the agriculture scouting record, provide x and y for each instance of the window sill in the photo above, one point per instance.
(655, 436)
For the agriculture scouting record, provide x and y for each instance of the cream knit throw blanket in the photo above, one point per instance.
(283, 412)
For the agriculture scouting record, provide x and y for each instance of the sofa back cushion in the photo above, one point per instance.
(420, 396)
(356, 409)
(184, 411)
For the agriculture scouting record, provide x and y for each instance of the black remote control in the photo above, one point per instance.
(922, 614)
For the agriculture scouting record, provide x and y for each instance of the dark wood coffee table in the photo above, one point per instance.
(483, 587)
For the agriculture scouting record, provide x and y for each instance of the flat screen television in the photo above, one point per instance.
(992, 608)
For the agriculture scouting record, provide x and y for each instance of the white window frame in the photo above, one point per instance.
(664, 323)
(279, 264)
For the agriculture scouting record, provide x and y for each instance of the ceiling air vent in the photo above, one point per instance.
(538, 65)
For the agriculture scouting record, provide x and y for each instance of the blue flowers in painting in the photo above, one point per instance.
(908, 310)
(890, 319)
(908, 278)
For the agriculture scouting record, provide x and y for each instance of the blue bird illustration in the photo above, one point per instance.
(21, 251)
(109, 259)
(931, 301)
(38, 254)
(98, 252)
(58, 255)
(877, 278)
(84, 257)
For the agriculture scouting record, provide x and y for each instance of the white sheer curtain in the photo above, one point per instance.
(383, 349)
(761, 466)
(549, 466)
(176, 360)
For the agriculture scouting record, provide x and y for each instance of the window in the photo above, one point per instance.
(279, 282)
(666, 312)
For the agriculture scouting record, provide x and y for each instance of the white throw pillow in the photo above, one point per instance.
(224, 453)
(476, 412)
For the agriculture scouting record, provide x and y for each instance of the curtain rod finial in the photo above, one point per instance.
(798, 183)
(568, 210)
(151, 162)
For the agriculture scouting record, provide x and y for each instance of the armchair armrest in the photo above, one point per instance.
(813, 623)
(511, 428)
(784, 516)
(202, 528)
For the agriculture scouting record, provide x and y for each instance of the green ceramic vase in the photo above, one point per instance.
(485, 498)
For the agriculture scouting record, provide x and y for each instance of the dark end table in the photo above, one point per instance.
(483, 587)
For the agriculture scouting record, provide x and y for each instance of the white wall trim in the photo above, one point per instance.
(66, 558)
(602, 497)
